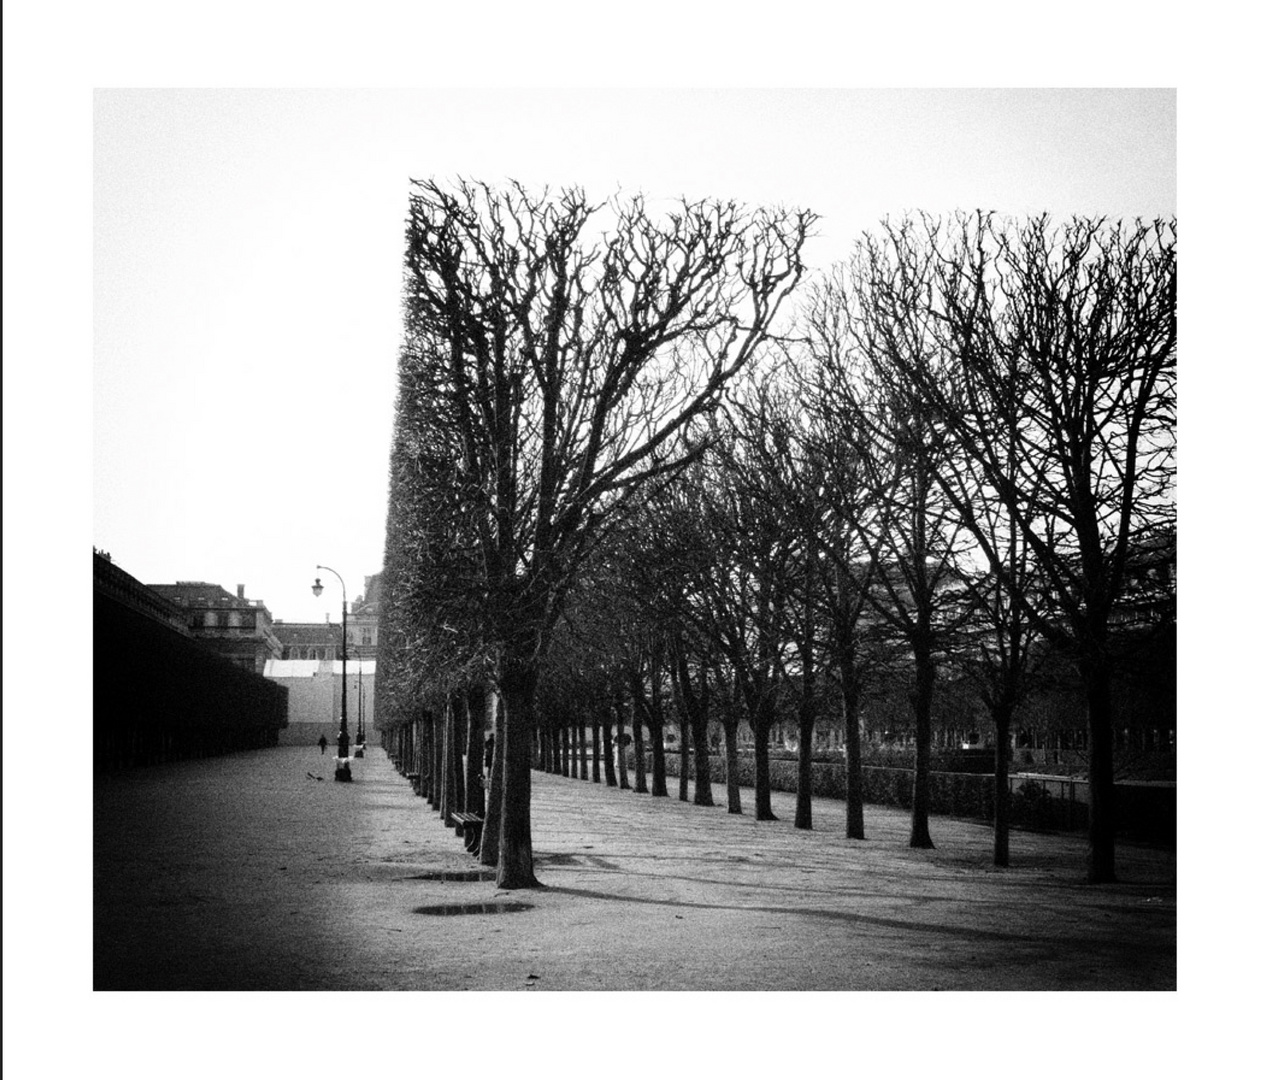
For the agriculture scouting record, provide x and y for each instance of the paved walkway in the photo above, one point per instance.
(244, 872)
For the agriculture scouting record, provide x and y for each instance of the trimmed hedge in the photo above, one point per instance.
(1143, 812)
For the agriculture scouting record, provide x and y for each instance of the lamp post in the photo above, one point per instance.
(342, 763)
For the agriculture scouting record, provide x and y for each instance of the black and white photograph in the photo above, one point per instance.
(645, 536)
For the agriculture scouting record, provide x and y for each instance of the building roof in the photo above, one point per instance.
(205, 594)
(289, 633)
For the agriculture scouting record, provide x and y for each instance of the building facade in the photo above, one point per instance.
(159, 692)
(362, 620)
(239, 629)
(309, 641)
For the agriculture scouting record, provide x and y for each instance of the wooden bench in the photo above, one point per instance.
(471, 826)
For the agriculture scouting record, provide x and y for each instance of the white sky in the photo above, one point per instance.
(247, 253)
(199, 375)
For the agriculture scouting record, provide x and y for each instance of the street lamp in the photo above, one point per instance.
(343, 762)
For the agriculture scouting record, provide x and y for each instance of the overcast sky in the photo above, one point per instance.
(247, 266)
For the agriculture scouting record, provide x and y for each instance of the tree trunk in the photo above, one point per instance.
(423, 783)
(659, 769)
(764, 809)
(608, 754)
(683, 777)
(518, 689)
(733, 803)
(462, 721)
(490, 843)
(804, 764)
(472, 701)
(621, 757)
(457, 737)
(597, 748)
(437, 757)
(582, 749)
(417, 759)
(639, 755)
(428, 750)
(1102, 855)
(424, 757)
(924, 675)
(655, 724)
(1002, 785)
(699, 733)
(808, 712)
(703, 762)
(854, 791)
(445, 736)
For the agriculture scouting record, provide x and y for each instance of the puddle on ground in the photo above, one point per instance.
(496, 907)
(455, 875)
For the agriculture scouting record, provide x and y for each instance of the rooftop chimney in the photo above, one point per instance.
(241, 592)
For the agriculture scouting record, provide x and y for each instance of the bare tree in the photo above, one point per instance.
(742, 592)
(692, 690)
(567, 373)
(820, 373)
(912, 535)
(782, 468)
(1059, 400)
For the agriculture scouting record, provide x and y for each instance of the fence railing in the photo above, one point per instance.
(1143, 811)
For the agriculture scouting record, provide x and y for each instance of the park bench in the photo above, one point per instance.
(471, 826)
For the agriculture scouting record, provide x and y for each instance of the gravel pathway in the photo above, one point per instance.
(245, 872)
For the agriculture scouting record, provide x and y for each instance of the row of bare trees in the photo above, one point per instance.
(620, 488)
(557, 356)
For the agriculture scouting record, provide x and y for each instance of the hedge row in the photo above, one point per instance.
(1147, 813)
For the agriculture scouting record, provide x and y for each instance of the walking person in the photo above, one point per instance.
(322, 743)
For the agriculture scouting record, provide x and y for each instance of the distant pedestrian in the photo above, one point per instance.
(321, 742)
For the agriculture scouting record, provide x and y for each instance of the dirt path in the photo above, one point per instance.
(245, 873)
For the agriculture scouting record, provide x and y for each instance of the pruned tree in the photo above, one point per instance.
(819, 374)
(912, 535)
(689, 672)
(570, 368)
(783, 468)
(743, 591)
(1059, 399)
